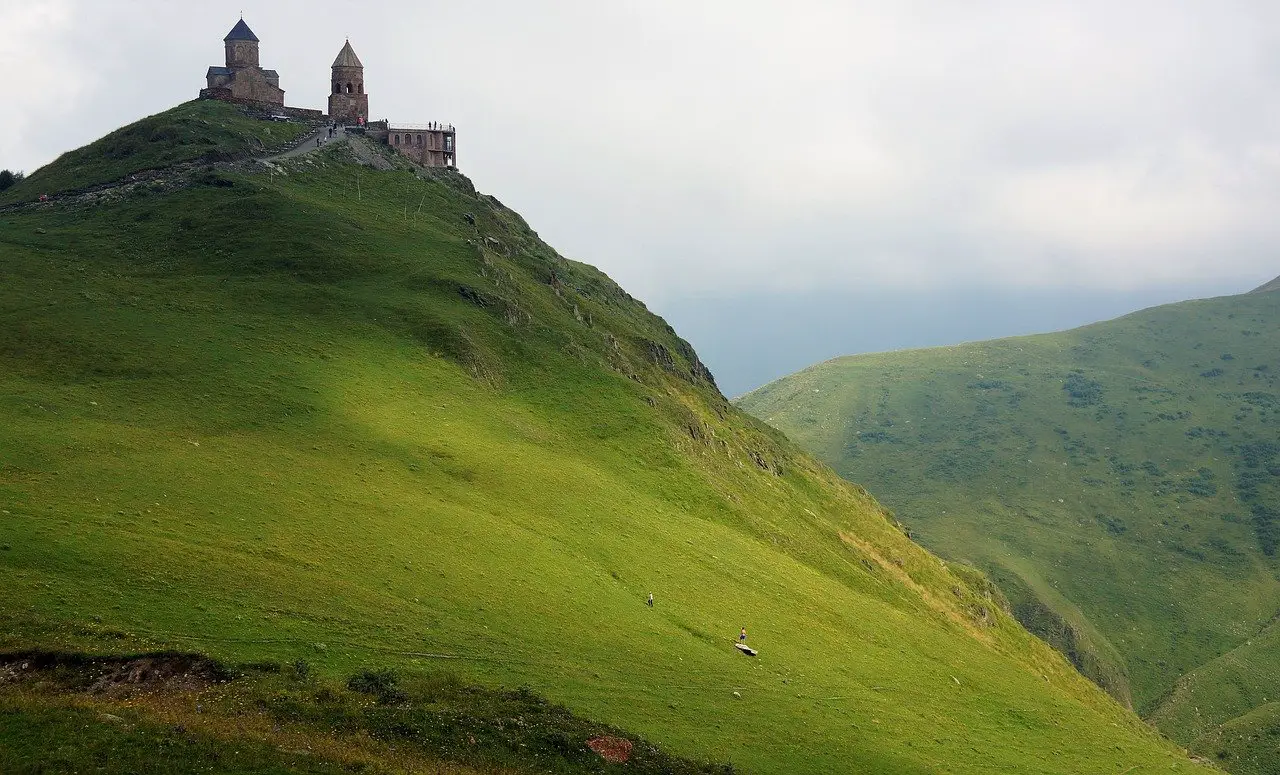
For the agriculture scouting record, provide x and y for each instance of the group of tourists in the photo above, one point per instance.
(332, 130)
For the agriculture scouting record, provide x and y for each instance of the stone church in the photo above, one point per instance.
(243, 80)
(242, 77)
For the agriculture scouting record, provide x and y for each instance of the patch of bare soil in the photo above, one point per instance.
(182, 672)
(114, 676)
(611, 749)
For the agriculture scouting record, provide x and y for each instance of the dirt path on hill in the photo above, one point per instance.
(180, 175)
(309, 144)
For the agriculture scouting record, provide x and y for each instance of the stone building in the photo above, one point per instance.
(347, 99)
(243, 78)
(431, 145)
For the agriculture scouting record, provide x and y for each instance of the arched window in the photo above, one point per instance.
(360, 88)
(419, 139)
(397, 139)
(337, 88)
(349, 89)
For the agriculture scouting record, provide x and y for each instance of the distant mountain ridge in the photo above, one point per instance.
(1120, 482)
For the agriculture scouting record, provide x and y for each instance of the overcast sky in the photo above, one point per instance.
(707, 154)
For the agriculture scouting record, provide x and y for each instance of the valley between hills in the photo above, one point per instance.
(1119, 482)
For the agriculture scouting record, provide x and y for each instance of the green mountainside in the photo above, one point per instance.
(1274, 285)
(1120, 482)
(353, 420)
(200, 133)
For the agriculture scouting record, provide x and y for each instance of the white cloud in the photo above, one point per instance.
(715, 146)
(43, 85)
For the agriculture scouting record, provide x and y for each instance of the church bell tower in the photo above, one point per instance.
(242, 47)
(347, 99)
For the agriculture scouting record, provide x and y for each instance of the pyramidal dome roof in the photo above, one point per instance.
(347, 57)
(241, 32)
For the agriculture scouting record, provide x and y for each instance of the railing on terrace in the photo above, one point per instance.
(422, 127)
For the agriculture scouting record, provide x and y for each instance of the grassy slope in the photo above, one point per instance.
(1208, 702)
(84, 739)
(182, 713)
(297, 417)
(1130, 504)
(1246, 745)
(201, 131)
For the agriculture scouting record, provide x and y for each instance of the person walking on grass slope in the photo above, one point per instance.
(742, 636)
(650, 600)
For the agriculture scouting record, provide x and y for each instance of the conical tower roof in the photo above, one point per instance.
(347, 57)
(241, 32)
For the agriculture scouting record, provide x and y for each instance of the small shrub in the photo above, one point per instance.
(1114, 525)
(1082, 391)
(1220, 545)
(1186, 551)
(382, 684)
(167, 133)
(1202, 489)
(1266, 526)
(121, 147)
(215, 180)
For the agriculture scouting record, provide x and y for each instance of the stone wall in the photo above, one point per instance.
(225, 95)
(242, 53)
(255, 85)
(349, 107)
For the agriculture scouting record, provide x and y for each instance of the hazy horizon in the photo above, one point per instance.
(748, 342)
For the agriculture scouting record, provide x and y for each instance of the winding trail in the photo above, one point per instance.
(183, 169)
(308, 144)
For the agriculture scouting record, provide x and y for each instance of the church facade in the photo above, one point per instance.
(242, 77)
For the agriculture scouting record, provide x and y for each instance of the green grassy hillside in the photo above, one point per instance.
(201, 132)
(1121, 483)
(368, 419)
(182, 713)
(1274, 285)
(1248, 744)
